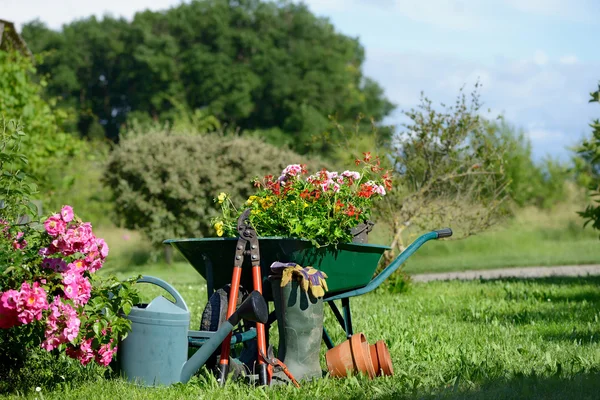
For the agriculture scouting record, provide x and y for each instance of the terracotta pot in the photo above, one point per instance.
(352, 355)
(382, 362)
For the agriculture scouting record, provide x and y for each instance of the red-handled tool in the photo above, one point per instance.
(247, 238)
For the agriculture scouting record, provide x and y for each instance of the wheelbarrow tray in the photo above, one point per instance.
(349, 266)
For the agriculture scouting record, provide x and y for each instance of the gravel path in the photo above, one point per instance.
(525, 272)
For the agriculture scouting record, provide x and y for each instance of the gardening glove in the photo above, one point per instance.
(285, 270)
(308, 277)
(315, 279)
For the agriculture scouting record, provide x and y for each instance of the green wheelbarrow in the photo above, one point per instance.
(349, 267)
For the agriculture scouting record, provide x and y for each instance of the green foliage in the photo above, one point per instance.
(589, 164)
(322, 207)
(59, 163)
(541, 184)
(16, 187)
(163, 184)
(257, 65)
(449, 171)
(21, 99)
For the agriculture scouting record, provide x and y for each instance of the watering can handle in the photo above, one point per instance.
(179, 302)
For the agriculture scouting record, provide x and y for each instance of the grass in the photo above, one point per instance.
(535, 339)
(533, 238)
(451, 340)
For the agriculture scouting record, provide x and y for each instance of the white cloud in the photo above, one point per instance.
(575, 10)
(543, 99)
(455, 14)
(541, 134)
(58, 12)
(568, 59)
(540, 58)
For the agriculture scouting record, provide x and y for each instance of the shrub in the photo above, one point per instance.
(164, 184)
(588, 166)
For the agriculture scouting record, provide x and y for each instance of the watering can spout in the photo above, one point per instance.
(253, 308)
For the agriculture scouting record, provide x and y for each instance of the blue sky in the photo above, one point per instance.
(537, 59)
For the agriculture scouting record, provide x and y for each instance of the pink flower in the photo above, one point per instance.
(77, 266)
(62, 325)
(95, 265)
(8, 309)
(19, 243)
(84, 353)
(56, 264)
(351, 174)
(105, 354)
(55, 225)
(32, 301)
(102, 247)
(76, 287)
(67, 213)
(375, 188)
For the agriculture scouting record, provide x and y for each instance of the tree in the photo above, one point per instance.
(449, 171)
(56, 159)
(253, 64)
(588, 165)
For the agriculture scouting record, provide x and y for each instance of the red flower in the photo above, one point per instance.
(366, 191)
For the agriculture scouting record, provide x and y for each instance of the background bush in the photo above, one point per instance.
(164, 184)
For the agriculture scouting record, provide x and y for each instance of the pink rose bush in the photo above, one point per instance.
(50, 296)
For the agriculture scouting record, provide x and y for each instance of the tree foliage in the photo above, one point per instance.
(55, 159)
(588, 164)
(450, 171)
(164, 183)
(540, 184)
(16, 187)
(258, 65)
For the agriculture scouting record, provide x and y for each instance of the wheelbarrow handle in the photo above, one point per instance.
(394, 265)
(444, 233)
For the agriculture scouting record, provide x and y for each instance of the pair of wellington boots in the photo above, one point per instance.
(300, 324)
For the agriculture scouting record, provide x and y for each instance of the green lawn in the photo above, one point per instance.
(494, 339)
(533, 238)
(534, 339)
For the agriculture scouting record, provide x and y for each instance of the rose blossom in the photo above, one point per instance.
(54, 225)
(105, 354)
(8, 309)
(32, 301)
(67, 213)
(62, 325)
(83, 353)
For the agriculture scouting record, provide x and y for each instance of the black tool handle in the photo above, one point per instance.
(443, 233)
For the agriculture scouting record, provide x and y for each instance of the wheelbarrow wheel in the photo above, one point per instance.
(215, 313)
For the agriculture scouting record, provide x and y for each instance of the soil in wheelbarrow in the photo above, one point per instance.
(349, 266)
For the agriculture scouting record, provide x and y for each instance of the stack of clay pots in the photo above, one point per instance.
(356, 356)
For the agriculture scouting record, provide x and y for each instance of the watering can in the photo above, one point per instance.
(156, 350)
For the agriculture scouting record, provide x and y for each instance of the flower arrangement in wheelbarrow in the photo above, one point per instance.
(50, 296)
(322, 207)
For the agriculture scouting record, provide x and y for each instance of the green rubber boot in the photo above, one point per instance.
(300, 324)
